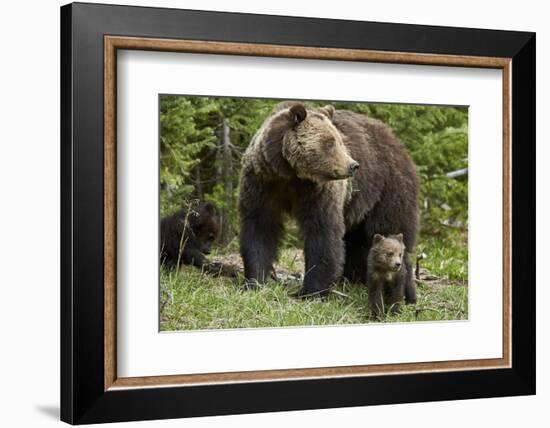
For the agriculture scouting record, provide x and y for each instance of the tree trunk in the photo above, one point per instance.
(198, 182)
(227, 182)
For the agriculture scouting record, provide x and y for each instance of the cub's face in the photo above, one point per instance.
(207, 227)
(305, 142)
(388, 252)
(206, 235)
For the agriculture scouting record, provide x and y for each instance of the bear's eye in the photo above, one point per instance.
(390, 254)
(328, 143)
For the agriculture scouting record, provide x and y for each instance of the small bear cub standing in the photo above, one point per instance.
(386, 274)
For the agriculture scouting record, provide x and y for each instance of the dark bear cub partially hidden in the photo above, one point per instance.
(386, 274)
(187, 236)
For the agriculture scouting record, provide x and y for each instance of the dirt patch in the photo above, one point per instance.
(288, 257)
(435, 281)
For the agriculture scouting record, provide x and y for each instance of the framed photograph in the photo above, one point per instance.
(266, 213)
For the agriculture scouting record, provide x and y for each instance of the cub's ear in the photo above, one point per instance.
(208, 208)
(399, 237)
(327, 110)
(377, 238)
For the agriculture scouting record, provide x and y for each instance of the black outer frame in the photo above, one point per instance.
(83, 399)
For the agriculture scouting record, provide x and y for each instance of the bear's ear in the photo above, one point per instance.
(377, 238)
(283, 121)
(204, 214)
(272, 145)
(298, 113)
(327, 110)
(399, 237)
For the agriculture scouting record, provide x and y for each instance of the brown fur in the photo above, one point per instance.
(386, 274)
(299, 163)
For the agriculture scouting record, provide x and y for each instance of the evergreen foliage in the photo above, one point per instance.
(203, 138)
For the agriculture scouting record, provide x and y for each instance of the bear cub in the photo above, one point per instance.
(386, 274)
(187, 235)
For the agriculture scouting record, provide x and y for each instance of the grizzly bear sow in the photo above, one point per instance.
(342, 176)
(386, 274)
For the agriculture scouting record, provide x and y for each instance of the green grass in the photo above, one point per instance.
(447, 258)
(192, 300)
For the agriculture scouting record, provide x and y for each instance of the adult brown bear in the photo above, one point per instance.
(343, 176)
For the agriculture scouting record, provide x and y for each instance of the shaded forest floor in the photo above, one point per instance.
(192, 300)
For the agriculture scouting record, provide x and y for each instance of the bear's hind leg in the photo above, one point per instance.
(357, 251)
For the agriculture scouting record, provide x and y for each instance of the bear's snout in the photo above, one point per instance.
(346, 169)
(354, 166)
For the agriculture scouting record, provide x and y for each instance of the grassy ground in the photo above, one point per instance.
(193, 300)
